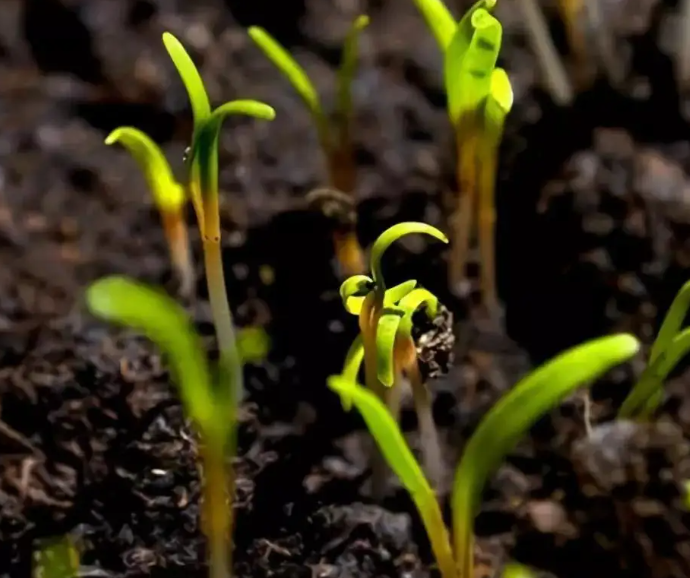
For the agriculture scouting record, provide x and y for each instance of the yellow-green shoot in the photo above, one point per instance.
(479, 99)
(168, 195)
(672, 343)
(56, 558)
(210, 397)
(381, 311)
(396, 357)
(500, 430)
(334, 131)
(203, 186)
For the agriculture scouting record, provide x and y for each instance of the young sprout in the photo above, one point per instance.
(209, 398)
(56, 558)
(168, 195)
(555, 75)
(335, 135)
(503, 426)
(380, 312)
(479, 98)
(670, 346)
(396, 356)
(203, 167)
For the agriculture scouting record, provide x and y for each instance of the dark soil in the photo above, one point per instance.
(594, 215)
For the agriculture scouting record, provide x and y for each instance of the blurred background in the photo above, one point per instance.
(593, 218)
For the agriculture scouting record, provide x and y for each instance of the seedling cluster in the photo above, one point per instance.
(479, 98)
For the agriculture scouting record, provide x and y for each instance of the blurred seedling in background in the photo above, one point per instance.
(670, 346)
(210, 396)
(334, 131)
(590, 41)
(385, 338)
(479, 99)
(499, 431)
(169, 196)
(202, 163)
(56, 558)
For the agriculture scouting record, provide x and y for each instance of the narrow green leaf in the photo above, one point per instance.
(386, 331)
(126, 302)
(387, 434)
(291, 69)
(469, 65)
(168, 194)
(397, 453)
(353, 291)
(499, 102)
(397, 292)
(204, 154)
(346, 72)
(439, 20)
(647, 394)
(198, 98)
(411, 303)
(392, 234)
(516, 412)
(672, 323)
(352, 367)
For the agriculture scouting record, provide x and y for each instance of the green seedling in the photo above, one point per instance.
(503, 426)
(168, 195)
(479, 99)
(203, 185)
(335, 137)
(210, 397)
(670, 346)
(384, 316)
(396, 357)
(56, 558)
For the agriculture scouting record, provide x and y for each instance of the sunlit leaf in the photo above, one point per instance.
(348, 65)
(353, 291)
(509, 419)
(386, 331)
(167, 192)
(392, 234)
(439, 20)
(290, 68)
(397, 453)
(137, 306)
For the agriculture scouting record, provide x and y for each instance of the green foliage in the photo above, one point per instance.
(168, 194)
(470, 48)
(670, 346)
(203, 157)
(56, 558)
(496, 435)
(305, 88)
(128, 303)
(392, 308)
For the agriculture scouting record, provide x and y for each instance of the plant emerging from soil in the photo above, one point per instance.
(168, 194)
(335, 134)
(203, 167)
(496, 435)
(209, 396)
(479, 98)
(202, 186)
(385, 341)
(672, 343)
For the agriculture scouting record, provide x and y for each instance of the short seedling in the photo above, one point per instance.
(396, 357)
(168, 195)
(210, 397)
(335, 136)
(496, 435)
(479, 98)
(385, 325)
(203, 186)
(670, 346)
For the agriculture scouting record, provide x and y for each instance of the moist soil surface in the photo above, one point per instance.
(593, 222)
